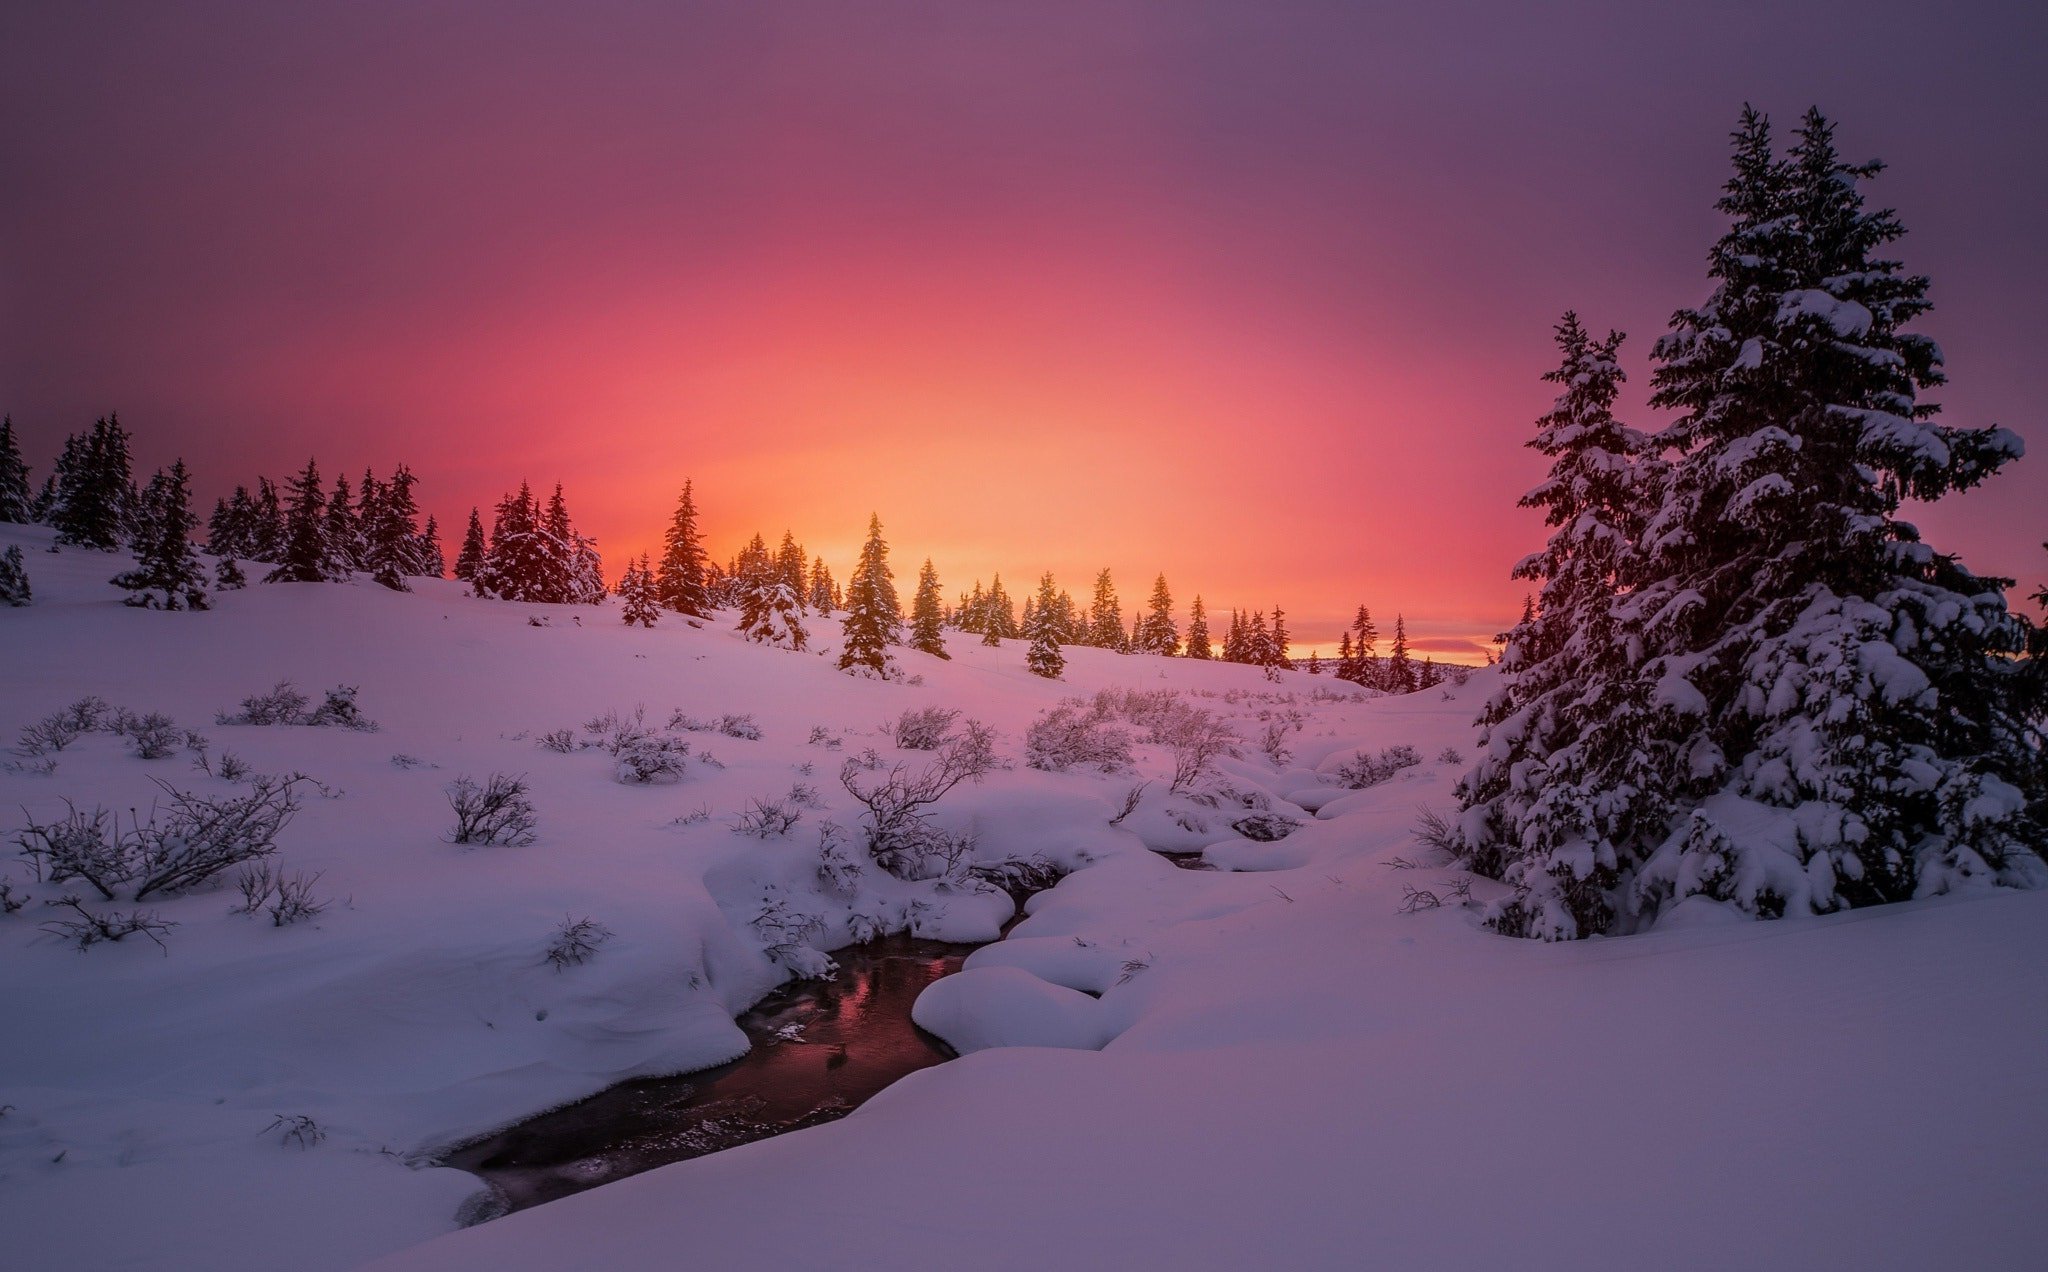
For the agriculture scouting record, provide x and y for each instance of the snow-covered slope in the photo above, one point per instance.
(1290, 1074)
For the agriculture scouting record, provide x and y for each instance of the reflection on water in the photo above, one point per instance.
(821, 1048)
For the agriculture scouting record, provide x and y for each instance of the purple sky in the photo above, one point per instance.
(1256, 294)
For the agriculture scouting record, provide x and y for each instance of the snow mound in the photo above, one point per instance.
(985, 1007)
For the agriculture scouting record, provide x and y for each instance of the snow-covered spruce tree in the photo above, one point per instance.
(432, 562)
(873, 614)
(388, 535)
(1198, 632)
(1277, 655)
(14, 589)
(304, 555)
(1848, 726)
(1106, 619)
(519, 564)
(17, 501)
(167, 574)
(1398, 676)
(344, 532)
(266, 523)
(1157, 632)
(470, 558)
(927, 621)
(820, 586)
(1044, 657)
(94, 494)
(1560, 793)
(770, 613)
(682, 583)
(228, 576)
(789, 568)
(574, 573)
(1829, 706)
(640, 594)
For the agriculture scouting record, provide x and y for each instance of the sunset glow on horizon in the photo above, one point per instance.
(1251, 296)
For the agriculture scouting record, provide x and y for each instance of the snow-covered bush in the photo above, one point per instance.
(1197, 740)
(497, 811)
(1273, 740)
(732, 726)
(786, 932)
(1265, 828)
(338, 710)
(296, 1129)
(229, 767)
(1072, 734)
(1366, 769)
(1450, 755)
(651, 759)
(923, 728)
(560, 741)
(178, 848)
(901, 837)
(838, 873)
(575, 940)
(286, 704)
(821, 736)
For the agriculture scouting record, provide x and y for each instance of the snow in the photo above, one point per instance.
(1266, 1066)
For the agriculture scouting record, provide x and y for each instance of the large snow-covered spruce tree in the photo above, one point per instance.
(681, 582)
(14, 588)
(1803, 706)
(927, 614)
(873, 614)
(1553, 806)
(167, 574)
(304, 554)
(1044, 632)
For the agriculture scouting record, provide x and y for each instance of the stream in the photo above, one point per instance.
(820, 1048)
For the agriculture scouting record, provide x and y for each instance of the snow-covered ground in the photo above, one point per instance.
(1267, 1067)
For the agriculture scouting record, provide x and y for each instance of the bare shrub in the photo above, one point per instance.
(11, 900)
(406, 763)
(1070, 734)
(255, 883)
(89, 929)
(156, 736)
(1273, 740)
(1363, 770)
(1415, 900)
(614, 732)
(923, 728)
(41, 766)
(1433, 830)
(767, 819)
(229, 767)
(821, 736)
(60, 729)
(655, 758)
(900, 835)
(497, 811)
(296, 1129)
(1132, 798)
(292, 900)
(1197, 740)
(575, 940)
(1450, 755)
(560, 741)
(1145, 708)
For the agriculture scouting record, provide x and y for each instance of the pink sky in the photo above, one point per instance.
(1254, 295)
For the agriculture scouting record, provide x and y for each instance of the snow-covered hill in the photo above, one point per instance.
(1290, 1072)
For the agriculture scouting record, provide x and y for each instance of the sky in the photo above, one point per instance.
(1257, 295)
